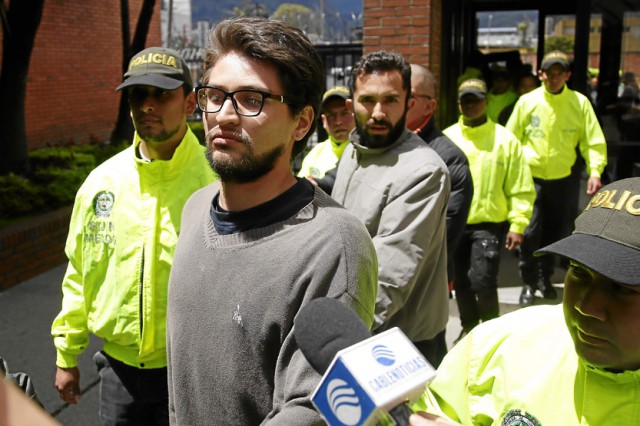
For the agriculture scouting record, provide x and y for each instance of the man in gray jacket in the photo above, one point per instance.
(399, 187)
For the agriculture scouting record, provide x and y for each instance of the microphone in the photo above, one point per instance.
(366, 379)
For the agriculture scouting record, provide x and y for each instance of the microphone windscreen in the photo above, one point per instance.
(325, 326)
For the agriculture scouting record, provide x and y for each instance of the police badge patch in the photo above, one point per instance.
(102, 203)
(535, 121)
(519, 418)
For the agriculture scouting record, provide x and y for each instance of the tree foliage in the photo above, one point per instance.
(292, 13)
(562, 43)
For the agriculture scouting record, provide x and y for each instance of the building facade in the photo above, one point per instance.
(76, 63)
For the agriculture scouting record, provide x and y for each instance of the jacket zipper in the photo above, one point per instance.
(141, 292)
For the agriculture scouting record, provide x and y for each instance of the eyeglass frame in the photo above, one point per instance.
(231, 95)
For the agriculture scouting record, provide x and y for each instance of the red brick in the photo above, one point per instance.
(417, 11)
(381, 31)
(394, 21)
(75, 66)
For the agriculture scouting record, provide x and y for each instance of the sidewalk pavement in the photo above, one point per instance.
(27, 310)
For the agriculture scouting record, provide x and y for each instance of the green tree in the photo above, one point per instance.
(20, 22)
(562, 43)
(292, 13)
(522, 28)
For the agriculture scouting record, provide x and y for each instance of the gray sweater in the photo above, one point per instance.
(232, 356)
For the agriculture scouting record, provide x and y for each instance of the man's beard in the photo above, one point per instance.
(249, 168)
(380, 141)
(160, 137)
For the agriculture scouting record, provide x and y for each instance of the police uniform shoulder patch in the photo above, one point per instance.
(535, 121)
(102, 203)
(519, 418)
(315, 172)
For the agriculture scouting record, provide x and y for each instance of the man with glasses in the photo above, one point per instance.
(421, 120)
(399, 187)
(551, 122)
(122, 236)
(260, 244)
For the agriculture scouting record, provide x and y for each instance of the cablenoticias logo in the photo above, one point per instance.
(344, 402)
(383, 355)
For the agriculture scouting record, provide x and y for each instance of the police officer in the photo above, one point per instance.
(502, 203)
(338, 121)
(122, 237)
(551, 121)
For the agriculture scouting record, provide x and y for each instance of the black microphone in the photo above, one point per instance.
(325, 326)
(372, 378)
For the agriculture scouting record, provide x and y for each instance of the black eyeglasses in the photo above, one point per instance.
(246, 102)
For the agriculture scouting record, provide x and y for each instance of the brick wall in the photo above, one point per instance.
(404, 26)
(75, 65)
(412, 28)
(409, 27)
(32, 247)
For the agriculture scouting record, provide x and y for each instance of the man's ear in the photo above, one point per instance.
(349, 104)
(305, 120)
(411, 103)
(325, 123)
(190, 103)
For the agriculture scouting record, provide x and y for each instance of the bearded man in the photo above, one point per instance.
(399, 187)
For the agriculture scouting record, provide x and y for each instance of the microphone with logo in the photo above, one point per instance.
(366, 379)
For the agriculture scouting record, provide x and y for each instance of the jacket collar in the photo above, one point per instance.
(363, 150)
(170, 169)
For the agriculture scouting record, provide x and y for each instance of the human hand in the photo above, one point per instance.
(513, 240)
(593, 185)
(68, 384)
(425, 419)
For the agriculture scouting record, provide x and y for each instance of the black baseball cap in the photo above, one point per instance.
(473, 86)
(158, 67)
(340, 92)
(555, 57)
(607, 233)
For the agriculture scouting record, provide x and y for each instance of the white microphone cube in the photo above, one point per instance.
(366, 380)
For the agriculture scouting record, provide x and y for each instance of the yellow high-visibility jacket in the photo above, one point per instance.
(322, 158)
(551, 126)
(522, 368)
(502, 184)
(499, 102)
(122, 235)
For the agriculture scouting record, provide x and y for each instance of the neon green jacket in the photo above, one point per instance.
(551, 126)
(502, 184)
(498, 102)
(122, 235)
(524, 366)
(322, 158)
